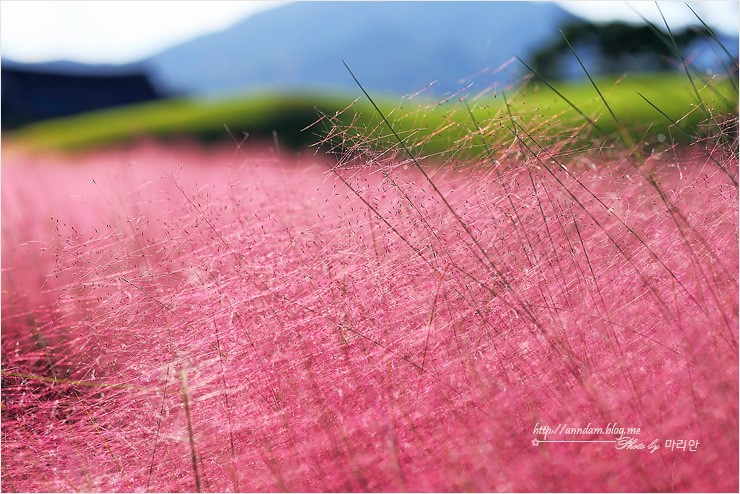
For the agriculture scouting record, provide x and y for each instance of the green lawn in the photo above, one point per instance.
(432, 127)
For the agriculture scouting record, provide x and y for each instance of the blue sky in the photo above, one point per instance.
(113, 31)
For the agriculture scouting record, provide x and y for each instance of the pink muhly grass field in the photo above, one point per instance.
(180, 319)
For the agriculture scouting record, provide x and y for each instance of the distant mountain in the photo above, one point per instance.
(393, 47)
(399, 47)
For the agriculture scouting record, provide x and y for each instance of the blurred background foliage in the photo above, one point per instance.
(273, 75)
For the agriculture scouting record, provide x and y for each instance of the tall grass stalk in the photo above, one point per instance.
(378, 319)
(678, 219)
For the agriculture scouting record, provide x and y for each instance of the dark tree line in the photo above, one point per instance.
(612, 48)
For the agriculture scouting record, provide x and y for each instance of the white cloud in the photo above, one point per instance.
(114, 31)
(722, 15)
(109, 31)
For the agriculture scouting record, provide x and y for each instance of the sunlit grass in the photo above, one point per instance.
(395, 315)
(438, 126)
(340, 329)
